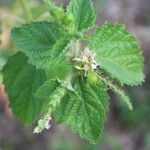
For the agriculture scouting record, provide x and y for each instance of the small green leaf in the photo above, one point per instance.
(118, 53)
(59, 70)
(40, 41)
(84, 109)
(21, 81)
(56, 12)
(83, 13)
(60, 67)
(47, 89)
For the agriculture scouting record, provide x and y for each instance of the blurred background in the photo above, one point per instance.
(124, 130)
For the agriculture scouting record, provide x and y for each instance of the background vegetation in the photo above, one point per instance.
(124, 130)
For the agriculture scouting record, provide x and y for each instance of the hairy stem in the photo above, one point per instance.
(25, 10)
(75, 47)
(117, 90)
(48, 108)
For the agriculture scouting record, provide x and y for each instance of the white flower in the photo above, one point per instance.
(87, 60)
(42, 123)
(47, 125)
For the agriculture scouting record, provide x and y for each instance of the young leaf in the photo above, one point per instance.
(83, 13)
(118, 53)
(59, 70)
(21, 81)
(60, 67)
(84, 110)
(47, 89)
(40, 41)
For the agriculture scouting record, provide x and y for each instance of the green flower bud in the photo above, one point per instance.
(68, 19)
(92, 78)
(57, 12)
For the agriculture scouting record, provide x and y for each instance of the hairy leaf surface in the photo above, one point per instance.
(118, 53)
(51, 91)
(21, 82)
(84, 109)
(60, 67)
(47, 89)
(83, 13)
(40, 41)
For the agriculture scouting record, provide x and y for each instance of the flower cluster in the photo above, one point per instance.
(87, 61)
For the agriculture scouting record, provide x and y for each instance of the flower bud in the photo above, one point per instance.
(57, 12)
(68, 19)
(92, 78)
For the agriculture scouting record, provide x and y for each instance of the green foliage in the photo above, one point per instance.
(92, 77)
(117, 90)
(77, 77)
(60, 67)
(66, 20)
(83, 13)
(52, 91)
(118, 53)
(84, 109)
(21, 82)
(40, 41)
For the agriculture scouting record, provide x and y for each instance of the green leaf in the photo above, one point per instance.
(84, 109)
(60, 67)
(83, 12)
(47, 89)
(21, 80)
(40, 41)
(52, 91)
(118, 53)
(59, 70)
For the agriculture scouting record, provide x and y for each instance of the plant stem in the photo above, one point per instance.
(75, 46)
(25, 10)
